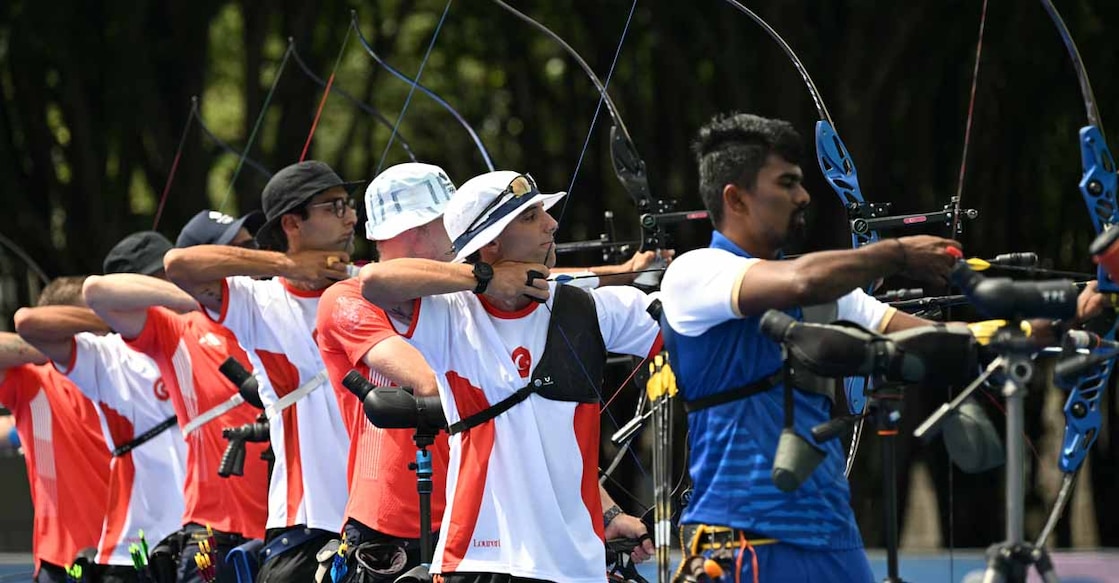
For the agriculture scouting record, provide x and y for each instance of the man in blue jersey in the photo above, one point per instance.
(713, 299)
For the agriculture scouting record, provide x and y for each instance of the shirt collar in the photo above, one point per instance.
(720, 241)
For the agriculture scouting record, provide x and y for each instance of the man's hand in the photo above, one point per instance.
(644, 259)
(511, 281)
(925, 258)
(1091, 303)
(626, 526)
(317, 267)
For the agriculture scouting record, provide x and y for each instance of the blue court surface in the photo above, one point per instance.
(965, 566)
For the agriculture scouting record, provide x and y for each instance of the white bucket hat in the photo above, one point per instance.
(404, 197)
(486, 204)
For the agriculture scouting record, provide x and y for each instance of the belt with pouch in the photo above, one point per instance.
(695, 538)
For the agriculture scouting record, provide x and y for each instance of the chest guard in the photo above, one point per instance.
(801, 379)
(570, 369)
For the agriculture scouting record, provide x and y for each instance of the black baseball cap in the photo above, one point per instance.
(138, 253)
(217, 228)
(292, 187)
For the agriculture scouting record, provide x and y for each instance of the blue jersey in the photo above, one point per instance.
(732, 446)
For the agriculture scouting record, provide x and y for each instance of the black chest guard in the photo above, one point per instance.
(570, 368)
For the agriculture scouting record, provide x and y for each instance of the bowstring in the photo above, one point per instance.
(412, 87)
(956, 232)
(256, 126)
(361, 105)
(175, 161)
(563, 210)
(325, 93)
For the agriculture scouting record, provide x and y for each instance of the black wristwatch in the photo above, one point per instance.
(610, 514)
(483, 273)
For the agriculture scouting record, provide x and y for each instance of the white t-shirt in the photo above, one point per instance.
(146, 484)
(276, 322)
(706, 283)
(522, 489)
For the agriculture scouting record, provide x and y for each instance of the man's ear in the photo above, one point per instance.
(290, 223)
(734, 200)
(490, 250)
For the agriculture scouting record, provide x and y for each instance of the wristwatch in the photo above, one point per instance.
(483, 273)
(610, 514)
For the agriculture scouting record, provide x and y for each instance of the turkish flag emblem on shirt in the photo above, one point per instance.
(160, 390)
(523, 360)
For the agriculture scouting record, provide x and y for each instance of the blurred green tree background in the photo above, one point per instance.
(94, 96)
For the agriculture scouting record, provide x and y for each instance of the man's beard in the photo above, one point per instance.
(347, 245)
(797, 231)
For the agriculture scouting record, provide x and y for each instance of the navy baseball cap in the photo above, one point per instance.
(138, 253)
(216, 228)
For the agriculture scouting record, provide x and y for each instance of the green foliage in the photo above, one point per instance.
(93, 97)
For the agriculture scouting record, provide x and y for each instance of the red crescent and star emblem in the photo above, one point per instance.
(160, 390)
(523, 360)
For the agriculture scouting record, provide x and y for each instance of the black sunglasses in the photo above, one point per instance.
(338, 205)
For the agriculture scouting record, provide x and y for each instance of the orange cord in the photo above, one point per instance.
(743, 546)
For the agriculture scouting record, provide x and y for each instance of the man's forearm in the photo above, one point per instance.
(831, 274)
(394, 282)
(402, 364)
(127, 292)
(607, 274)
(607, 501)
(15, 351)
(56, 323)
(209, 263)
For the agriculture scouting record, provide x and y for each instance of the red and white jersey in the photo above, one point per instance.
(276, 322)
(382, 491)
(145, 484)
(522, 489)
(67, 461)
(188, 349)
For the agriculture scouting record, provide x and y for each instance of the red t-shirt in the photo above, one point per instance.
(189, 348)
(382, 490)
(67, 460)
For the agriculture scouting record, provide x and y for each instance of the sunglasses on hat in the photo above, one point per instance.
(506, 202)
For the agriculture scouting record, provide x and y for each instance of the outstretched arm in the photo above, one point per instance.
(623, 273)
(200, 270)
(15, 351)
(122, 299)
(51, 329)
(821, 277)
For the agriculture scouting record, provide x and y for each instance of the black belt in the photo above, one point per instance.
(760, 386)
(195, 533)
(280, 541)
(720, 537)
(146, 436)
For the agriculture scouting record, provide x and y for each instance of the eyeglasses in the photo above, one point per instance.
(521, 186)
(337, 205)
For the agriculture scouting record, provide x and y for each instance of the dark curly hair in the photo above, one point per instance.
(732, 149)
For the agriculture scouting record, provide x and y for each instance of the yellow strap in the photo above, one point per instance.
(985, 330)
